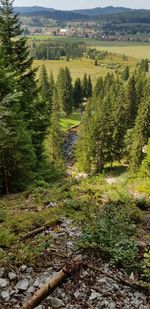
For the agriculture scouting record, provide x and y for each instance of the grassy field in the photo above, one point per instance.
(71, 121)
(79, 67)
(130, 50)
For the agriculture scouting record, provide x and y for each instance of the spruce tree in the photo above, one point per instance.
(85, 86)
(125, 73)
(89, 87)
(65, 90)
(17, 158)
(77, 93)
(141, 133)
(131, 101)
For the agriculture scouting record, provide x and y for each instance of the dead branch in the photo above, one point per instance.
(52, 283)
(131, 283)
(40, 229)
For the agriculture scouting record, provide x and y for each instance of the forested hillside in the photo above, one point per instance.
(74, 177)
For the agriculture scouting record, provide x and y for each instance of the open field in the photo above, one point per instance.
(131, 50)
(79, 67)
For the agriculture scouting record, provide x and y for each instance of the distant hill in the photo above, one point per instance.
(49, 13)
(31, 9)
(102, 11)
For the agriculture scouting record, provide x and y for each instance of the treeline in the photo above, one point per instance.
(58, 50)
(136, 21)
(116, 123)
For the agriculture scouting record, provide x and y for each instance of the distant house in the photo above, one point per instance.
(63, 32)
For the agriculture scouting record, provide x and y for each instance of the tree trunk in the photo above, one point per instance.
(52, 283)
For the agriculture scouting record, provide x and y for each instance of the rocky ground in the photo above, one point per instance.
(85, 289)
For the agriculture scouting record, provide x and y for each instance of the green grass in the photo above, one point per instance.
(70, 121)
(79, 67)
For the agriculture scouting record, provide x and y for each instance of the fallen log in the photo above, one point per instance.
(52, 283)
(40, 229)
(131, 283)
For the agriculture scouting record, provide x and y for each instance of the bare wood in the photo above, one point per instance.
(52, 283)
(131, 283)
(40, 229)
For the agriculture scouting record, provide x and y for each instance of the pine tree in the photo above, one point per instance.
(125, 73)
(77, 91)
(85, 86)
(46, 92)
(145, 166)
(65, 90)
(131, 101)
(144, 66)
(141, 133)
(17, 158)
(99, 87)
(89, 87)
(54, 136)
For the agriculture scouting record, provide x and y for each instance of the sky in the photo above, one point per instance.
(80, 4)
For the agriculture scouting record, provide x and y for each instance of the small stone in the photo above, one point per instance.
(12, 276)
(94, 295)
(112, 305)
(31, 289)
(3, 283)
(36, 283)
(22, 285)
(23, 268)
(131, 276)
(5, 295)
(76, 294)
(29, 270)
(102, 281)
(2, 272)
(56, 303)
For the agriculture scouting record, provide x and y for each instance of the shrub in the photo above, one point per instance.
(112, 229)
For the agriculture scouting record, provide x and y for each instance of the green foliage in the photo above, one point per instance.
(65, 90)
(125, 73)
(145, 166)
(77, 93)
(111, 229)
(6, 238)
(144, 66)
(145, 267)
(140, 135)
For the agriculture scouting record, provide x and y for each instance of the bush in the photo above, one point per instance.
(145, 267)
(112, 229)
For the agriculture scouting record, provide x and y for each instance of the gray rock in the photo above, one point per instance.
(36, 283)
(102, 280)
(31, 289)
(22, 285)
(5, 295)
(131, 276)
(94, 296)
(112, 305)
(12, 276)
(29, 270)
(56, 303)
(2, 272)
(3, 283)
(23, 268)
(12, 292)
